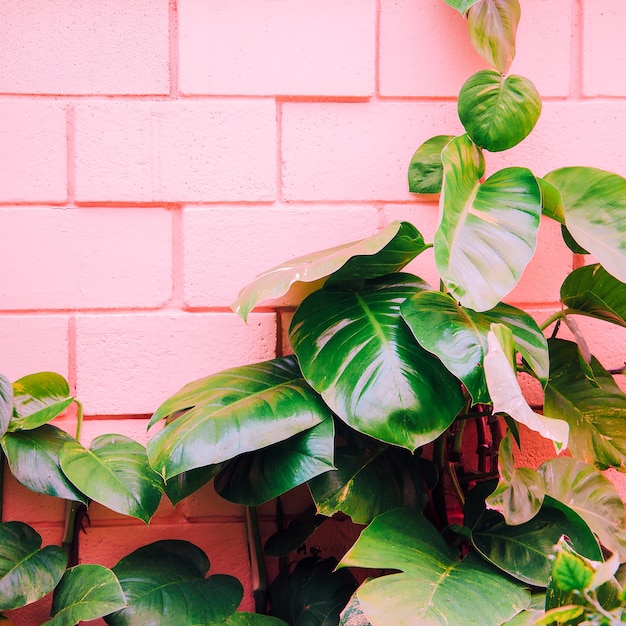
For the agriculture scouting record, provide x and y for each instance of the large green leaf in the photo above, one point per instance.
(594, 202)
(488, 231)
(458, 336)
(252, 619)
(256, 477)
(434, 587)
(85, 592)
(492, 25)
(239, 410)
(39, 398)
(551, 203)
(593, 496)
(355, 349)
(27, 571)
(164, 583)
(33, 456)
(595, 410)
(387, 251)
(591, 290)
(462, 6)
(425, 168)
(6, 403)
(183, 485)
(114, 472)
(498, 113)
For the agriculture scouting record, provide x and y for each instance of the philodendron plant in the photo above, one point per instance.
(389, 373)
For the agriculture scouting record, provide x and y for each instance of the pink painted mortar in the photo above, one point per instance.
(155, 156)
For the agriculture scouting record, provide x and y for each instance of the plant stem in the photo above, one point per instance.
(438, 494)
(596, 605)
(2, 462)
(553, 318)
(259, 575)
(79, 418)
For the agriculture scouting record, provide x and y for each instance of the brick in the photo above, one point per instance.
(32, 150)
(33, 343)
(66, 258)
(220, 150)
(21, 504)
(73, 47)
(604, 48)
(357, 151)
(289, 47)
(262, 239)
(129, 364)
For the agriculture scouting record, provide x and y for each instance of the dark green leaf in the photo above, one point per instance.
(551, 203)
(183, 485)
(425, 168)
(6, 403)
(252, 619)
(570, 242)
(498, 113)
(286, 540)
(114, 472)
(355, 349)
(27, 571)
(239, 410)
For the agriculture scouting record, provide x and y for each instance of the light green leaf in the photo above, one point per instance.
(488, 232)
(252, 619)
(551, 203)
(226, 414)
(498, 113)
(571, 572)
(114, 472)
(425, 168)
(6, 403)
(357, 352)
(560, 615)
(595, 204)
(462, 6)
(492, 26)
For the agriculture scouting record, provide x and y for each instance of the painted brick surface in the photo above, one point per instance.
(288, 47)
(216, 150)
(73, 47)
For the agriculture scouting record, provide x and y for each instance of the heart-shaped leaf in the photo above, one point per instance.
(164, 583)
(114, 472)
(33, 456)
(85, 592)
(428, 589)
(488, 231)
(594, 202)
(39, 398)
(425, 168)
(492, 25)
(458, 336)
(6, 403)
(357, 352)
(387, 251)
(595, 410)
(591, 290)
(27, 571)
(462, 6)
(498, 113)
(239, 410)
(256, 477)
(183, 485)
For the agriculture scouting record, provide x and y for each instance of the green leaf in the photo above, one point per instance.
(39, 398)
(434, 587)
(27, 571)
(594, 202)
(387, 251)
(595, 411)
(498, 113)
(164, 583)
(256, 477)
(458, 336)
(462, 6)
(252, 619)
(286, 540)
(592, 291)
(226, 414)
(562, 615)
(492, 25)
(85, 592)
(6, 403)
(114, 472)
(551, 203)
(425, 168)
(570, 242)
(183, 485)
(313, 594)
(570, 572)
(357, 352)
(488, 231)
(33, 456)
(353, 615)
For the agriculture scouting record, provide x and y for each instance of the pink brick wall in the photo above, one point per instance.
(156, 154)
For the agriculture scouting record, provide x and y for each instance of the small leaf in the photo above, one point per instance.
(570, 572)
(551, 203)
(462, 6)
(6, 403)
(561, 615)
(425, 168)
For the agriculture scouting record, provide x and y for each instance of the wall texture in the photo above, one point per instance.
(155, 156)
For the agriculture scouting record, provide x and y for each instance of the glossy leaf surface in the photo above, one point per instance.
(551, 203)
(357, 352)
(595, 411)
(114, 472)
(256, 477)
(425, 168)
(488, 231)
(433, 586)
(27, 571)
(85, 592)
(183, 485)
(33, 456)
(387, 251)
(6, 403)
(236, 411)
(595, 202)
(164, 583)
